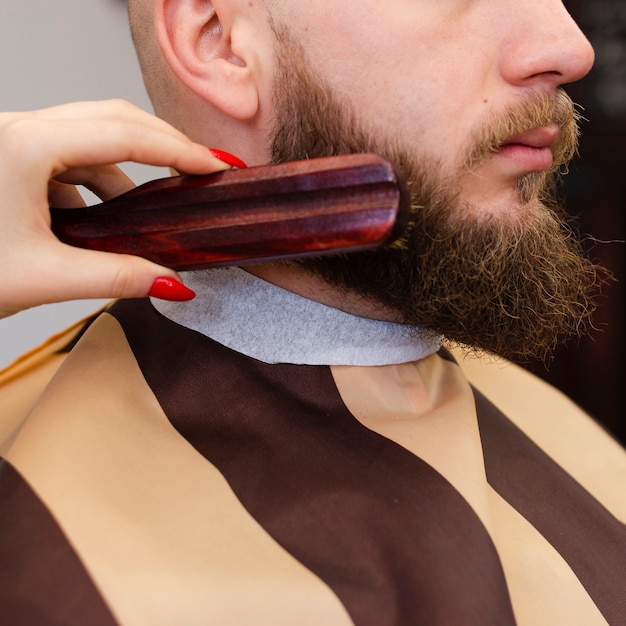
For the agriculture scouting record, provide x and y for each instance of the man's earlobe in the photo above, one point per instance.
(196, 41)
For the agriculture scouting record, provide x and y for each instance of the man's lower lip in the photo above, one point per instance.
(528, 158)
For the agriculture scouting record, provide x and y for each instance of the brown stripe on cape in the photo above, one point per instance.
(392, 538)
(42, 581)
(588, 537)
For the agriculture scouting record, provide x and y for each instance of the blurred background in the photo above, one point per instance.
(68, 50)
(591, 371)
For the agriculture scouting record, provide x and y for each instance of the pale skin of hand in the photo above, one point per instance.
(43, 155)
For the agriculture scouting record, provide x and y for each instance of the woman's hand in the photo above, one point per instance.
(43, 154)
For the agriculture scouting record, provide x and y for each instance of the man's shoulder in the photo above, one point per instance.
(23, 381)
(506, 382)
(555, 423)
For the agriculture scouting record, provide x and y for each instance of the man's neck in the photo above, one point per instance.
(308, 285)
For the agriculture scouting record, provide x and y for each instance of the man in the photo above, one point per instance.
(293, 446)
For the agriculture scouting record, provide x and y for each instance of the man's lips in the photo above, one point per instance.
(531, 150)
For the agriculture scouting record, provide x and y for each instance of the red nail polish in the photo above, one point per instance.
(227, 157)
(167, 288)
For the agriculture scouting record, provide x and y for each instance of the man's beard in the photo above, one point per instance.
(512, 282)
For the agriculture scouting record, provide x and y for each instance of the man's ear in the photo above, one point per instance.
(198, 41)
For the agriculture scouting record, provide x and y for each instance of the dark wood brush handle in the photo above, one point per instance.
(319, 206)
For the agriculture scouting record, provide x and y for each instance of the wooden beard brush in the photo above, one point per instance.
(304, 208)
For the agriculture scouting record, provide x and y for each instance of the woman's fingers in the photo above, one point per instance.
(66, 273)
(105, 181)
(101, 133)
(44, 155)
(65, 196)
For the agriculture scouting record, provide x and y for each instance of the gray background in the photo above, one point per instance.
(51, 53)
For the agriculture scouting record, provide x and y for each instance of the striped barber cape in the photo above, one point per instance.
(152, 476)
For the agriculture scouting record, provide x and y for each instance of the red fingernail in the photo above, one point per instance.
(167, 288)
(227, 157)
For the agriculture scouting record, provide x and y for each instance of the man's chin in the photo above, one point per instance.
(522, 200)
(516, 288)
(504, 276)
